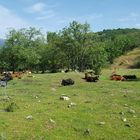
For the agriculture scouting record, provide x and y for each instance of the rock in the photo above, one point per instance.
(131, 111)
(29, 117)
(71, 104)
(62, 71)
(125, 105)
(121, 113)
(124, 119)
(36, 97)
(64, 97)
(101, 123)
(52, 121)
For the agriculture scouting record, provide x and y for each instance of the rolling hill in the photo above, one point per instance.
(129, 60)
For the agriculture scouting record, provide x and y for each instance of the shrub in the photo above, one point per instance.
(11, 107)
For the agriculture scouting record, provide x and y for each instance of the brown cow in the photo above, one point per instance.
(17, 75)
(117, 78)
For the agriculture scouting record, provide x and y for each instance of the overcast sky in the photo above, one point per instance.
(53, 15)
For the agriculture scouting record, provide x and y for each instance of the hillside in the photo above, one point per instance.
(130, 60)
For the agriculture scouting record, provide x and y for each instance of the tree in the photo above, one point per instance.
(22, 48)
(3, 59)
(97, 58)
(53, 58)
(76, 39)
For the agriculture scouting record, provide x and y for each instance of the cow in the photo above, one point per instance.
(117, 78)
(7, 77)
(88, 75)
(92, 78)
(66, 82)
(17, 74)
(3, 83)
(130, 77)
(67, 70)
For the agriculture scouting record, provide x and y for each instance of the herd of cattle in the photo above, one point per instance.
(89, 77)
(5, 77)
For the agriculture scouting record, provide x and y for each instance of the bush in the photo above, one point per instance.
(11, 107)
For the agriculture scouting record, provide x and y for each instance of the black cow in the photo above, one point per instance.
(92, 79)
(130, 77)
(67, 70)
(7, 77)
(66, 82)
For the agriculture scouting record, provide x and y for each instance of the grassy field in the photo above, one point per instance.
(105, 110)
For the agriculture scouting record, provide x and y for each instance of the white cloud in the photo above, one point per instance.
(131, 17)
(47, 14)
(8, 19)
(41, 10)
(36, 8)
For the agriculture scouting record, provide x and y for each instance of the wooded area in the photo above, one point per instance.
(74, 47)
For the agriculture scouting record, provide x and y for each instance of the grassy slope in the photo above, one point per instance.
(96, 102)
(131, 59)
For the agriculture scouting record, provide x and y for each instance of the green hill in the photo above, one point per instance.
(129, 60)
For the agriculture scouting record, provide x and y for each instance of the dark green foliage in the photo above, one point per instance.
(22, 48)
(73, 47)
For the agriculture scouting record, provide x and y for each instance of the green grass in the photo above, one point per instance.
(96, 102)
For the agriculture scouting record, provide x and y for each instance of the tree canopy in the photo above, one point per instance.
(73, 47)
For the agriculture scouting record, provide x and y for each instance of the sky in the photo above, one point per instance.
(53, 15)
